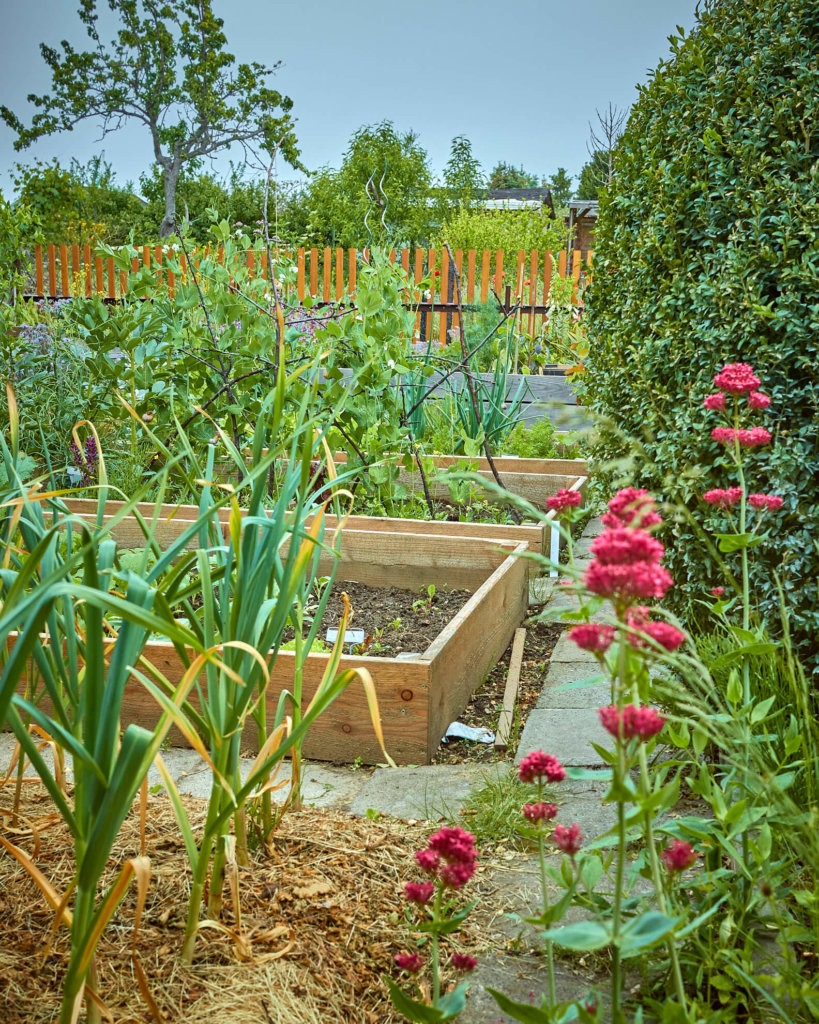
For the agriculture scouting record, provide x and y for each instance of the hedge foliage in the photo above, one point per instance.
(707, 252)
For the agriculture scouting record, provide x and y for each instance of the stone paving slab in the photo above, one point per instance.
(556, 695)
(423, 793)
(566, 650)
(566, 733)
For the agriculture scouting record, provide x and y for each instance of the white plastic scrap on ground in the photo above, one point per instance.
(459, 731)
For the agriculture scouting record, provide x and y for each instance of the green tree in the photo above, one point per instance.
(380, 194)
(167, 69)
(560, 185)
(504, 175)
(594, 176)
(707, 252)
(463, 177)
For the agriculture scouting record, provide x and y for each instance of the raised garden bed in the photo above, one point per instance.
(418, 696)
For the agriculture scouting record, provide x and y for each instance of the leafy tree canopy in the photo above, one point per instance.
(504, 175)
(463, 177)
(379, 195)
(560, 185)
(167, 69)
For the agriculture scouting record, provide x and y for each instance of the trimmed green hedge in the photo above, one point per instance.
(707, 252)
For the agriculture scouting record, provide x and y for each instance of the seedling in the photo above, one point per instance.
(425, 602)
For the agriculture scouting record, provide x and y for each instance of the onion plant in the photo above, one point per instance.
(253, 583)
(58, 608)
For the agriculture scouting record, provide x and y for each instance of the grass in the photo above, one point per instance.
(492, 812)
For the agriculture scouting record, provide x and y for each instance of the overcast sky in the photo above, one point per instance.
(522, 81)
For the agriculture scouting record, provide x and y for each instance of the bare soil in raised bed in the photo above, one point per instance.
(394, 621)
(401, 621)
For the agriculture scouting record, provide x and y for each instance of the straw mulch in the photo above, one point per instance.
(322, 916)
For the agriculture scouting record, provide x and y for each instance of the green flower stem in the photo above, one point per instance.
(657, 875)
(544, 896)
(436, 962)
(618, 1017)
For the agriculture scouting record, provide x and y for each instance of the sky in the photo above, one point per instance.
(522, 81)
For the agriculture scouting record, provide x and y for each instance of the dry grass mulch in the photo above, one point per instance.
(322, 915)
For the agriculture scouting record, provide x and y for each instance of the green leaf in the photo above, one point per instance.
(645, 931)
(729, 542)
(521, 1011)
(761, 709)
(412, 1009)
(583, 936)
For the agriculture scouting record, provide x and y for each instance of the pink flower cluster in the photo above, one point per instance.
(538, 767)
(410, 962)
(568, 838)
(591, 636)
(626, 566)
(679, 855)
(765, 502)
(539, 812)
(450, 857)
(631, 722)
(737, 379)
(723, 498)
(632, 506)
(662, 633)
(564, 499)
(755, 437)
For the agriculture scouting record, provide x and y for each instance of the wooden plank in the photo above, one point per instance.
(75, 267)
(300, 275)
(39, 284)
(339, 274)
(405, 260)
(52, 272)
(65, 287)
(470, 276)
(548, 260)
(510, 693)
(352, 268)
(485, 257)
(498, 282)
(112, 278)
(533, 281)
(415, 695)
(86, 256)
(325, 277)
(471, 644)
(446, 283)
(314, 273)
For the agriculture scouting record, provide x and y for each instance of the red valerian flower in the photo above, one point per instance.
(737, 379)
(632, 506)
(411, 962)
(539, 812)
(457, 853)
(642, 580)
(419, 892)
(539, 767)
(756, 437)
(679, 855)
(716, 402)
(462, 962)
(568, 838)
(662, 633)
(717, 591)
(590, 636)
(631, 722)
(765, 502)
(428, 860)
(623, 546)
(723, 498)
(564, 499)
(756, 400)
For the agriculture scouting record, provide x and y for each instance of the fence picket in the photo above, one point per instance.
(62, 270)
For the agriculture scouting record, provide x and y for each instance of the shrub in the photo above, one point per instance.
(707, 254)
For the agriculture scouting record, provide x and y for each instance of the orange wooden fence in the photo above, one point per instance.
(329, 275)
